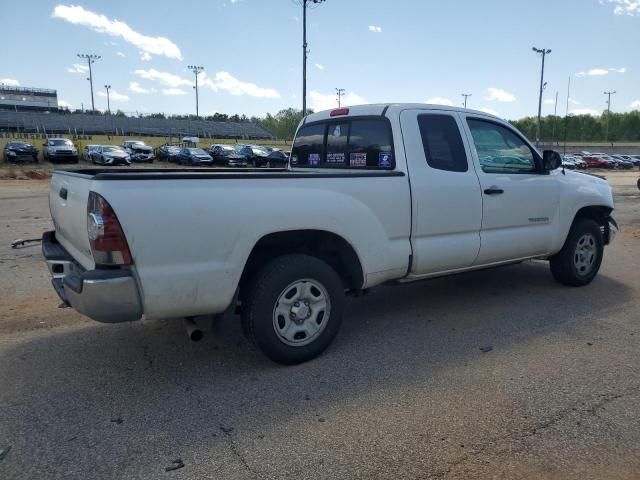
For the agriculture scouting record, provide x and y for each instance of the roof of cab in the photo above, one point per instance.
(382, 108)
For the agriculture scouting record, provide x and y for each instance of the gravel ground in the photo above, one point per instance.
(495, 374)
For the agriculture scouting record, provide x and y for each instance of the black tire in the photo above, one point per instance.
(261, 298)
(639, 184)
(567, 266)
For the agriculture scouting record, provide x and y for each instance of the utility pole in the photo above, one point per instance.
(544, 52)
(608, 94)
(196, 70)
(340, 92)
(465, 95)
(555, 116)
(90, 58)
(108, 87)
(566, 116)
(304, 4)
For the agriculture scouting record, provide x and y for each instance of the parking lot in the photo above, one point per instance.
(500, 373)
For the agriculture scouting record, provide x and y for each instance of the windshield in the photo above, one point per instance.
(58, 143)
(18, 144)
(112, 149)
(197, 151)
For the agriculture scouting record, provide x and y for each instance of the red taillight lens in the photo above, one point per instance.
(108, 244)
(339, 111)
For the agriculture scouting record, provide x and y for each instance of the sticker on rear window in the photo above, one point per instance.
(384, 159)
(335, 157)
(358, 160)
(314, 159)
(294, 159)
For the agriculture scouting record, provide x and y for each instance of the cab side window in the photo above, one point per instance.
(499, 149)
(442, 142)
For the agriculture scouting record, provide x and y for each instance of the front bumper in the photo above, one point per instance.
(109, 296)
(610, 230)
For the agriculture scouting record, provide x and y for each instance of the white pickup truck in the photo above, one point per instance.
(373, 194)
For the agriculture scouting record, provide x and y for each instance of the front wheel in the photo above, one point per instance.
(578, 262)
(292, 308)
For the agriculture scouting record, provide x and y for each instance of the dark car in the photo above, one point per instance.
(194, 156)
(277, 158)
(227, 156)
(109, 155)
(20, 152)
(256, 155)
(169, 152)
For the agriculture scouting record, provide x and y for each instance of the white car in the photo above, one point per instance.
(374, 194)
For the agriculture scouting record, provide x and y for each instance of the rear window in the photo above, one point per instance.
(364, 143)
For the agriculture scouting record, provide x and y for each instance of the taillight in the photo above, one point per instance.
(108, 244)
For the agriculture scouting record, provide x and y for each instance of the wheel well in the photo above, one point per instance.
(599, 214)
(327, 246)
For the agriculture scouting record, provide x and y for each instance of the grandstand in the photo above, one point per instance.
(26, 98)
(86, 124)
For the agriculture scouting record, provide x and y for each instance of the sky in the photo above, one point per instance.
(423, 51)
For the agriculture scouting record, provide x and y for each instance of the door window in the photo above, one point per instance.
(499, 149)
(442, 142)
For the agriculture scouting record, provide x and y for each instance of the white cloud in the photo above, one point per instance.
(599, 72)
(440, 101)
(626, 7)
(152, 45)
(144, 56)
(173, 91)
(585, 111)
(114, 96)
(120, 54)
(319, 66)
(10, 82)
(549, 101)
(226, 82)
(78, 68)
(618, 70)
(135, 87)
(64, 104)
(573, 101)
(635, 105)
(489, 111)
(497, 94)
(375, 28)
(165, 78)
(319, 101)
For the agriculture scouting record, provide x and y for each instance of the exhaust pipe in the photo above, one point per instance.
(194, 332)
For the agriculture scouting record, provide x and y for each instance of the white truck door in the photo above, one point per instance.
(520, 203)
(445, 192)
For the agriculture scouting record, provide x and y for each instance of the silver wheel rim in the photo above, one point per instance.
(585, 254)
(301, 312)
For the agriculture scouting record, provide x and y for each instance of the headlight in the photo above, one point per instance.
(11, 153)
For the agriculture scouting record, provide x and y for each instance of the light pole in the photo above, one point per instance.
(196, 70)
(544, 52)
(465, 95)
(304, 4)
(90, 58)
(108, 87)
(608, 94)
(340, 93)
(555, 116)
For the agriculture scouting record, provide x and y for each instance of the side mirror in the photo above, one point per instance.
(551, 160)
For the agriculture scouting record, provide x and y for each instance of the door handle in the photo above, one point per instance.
(493, 191)
(63, 193)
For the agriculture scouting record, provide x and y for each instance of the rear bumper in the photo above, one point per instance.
(109, 296)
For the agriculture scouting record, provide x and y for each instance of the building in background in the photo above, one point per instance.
(26, 98)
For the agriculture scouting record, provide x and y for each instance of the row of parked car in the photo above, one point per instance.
(224, 155)
(583, 160)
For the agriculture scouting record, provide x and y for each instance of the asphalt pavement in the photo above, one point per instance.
(494, 374)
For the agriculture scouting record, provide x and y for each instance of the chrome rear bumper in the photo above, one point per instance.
(109, 296)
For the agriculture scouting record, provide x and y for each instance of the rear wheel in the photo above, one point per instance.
(293, 307)
(578, 262)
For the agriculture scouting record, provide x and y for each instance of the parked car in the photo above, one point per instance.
(569, 162)
(169, 152)
(194, 156)
(256, 155)
(635, 159)
(227, 156)
(110, 155)
(277, 158)
(598, 161)
(86, 152)
(368, 204)
(60, 150)
(18, 151)
(138, 151)
(622, 162)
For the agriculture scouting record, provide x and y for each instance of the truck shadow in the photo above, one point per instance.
(150, 377)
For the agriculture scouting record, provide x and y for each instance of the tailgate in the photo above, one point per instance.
(68, 203)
